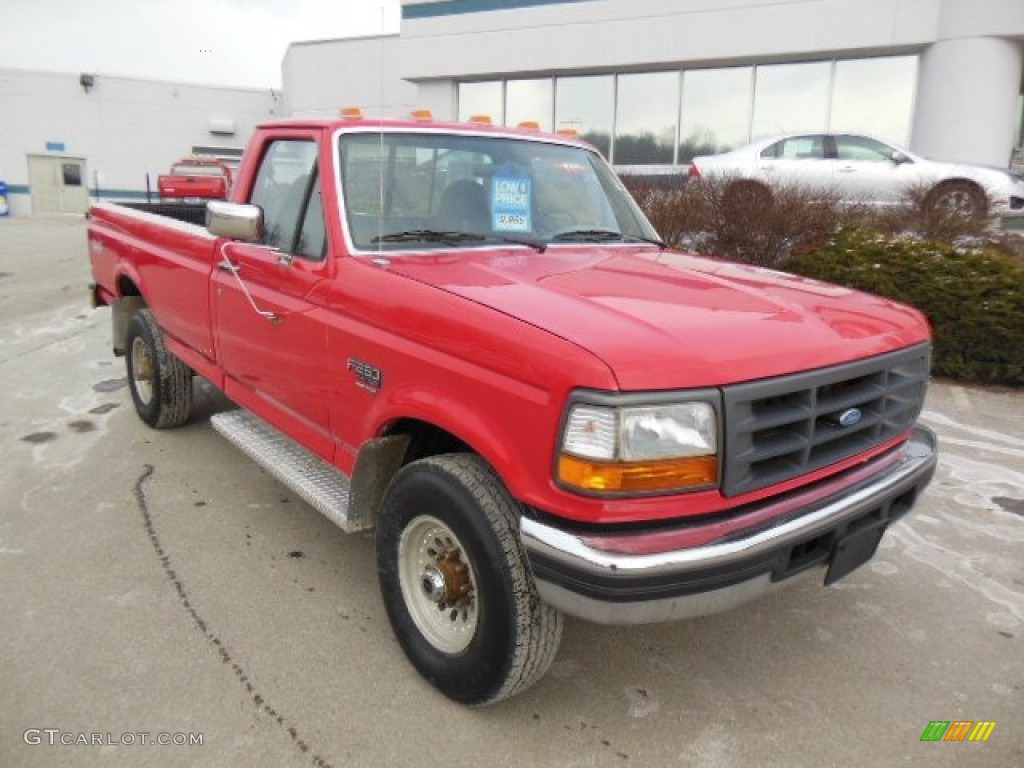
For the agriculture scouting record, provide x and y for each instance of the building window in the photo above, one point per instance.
(875, 96)
(666, 118)
(72, 174)
(716, 111)
(645, 118)
(482, 99)
(530, 100)
(791, 98)
(587, 105)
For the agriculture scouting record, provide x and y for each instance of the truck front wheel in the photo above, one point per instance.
(456, 585)
(161, 385)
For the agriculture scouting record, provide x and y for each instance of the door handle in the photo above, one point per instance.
(225, 265)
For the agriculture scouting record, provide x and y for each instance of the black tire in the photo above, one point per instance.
(161, 385)
(491, 636)
(960, 199)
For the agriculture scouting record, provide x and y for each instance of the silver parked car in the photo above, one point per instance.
(863, 169)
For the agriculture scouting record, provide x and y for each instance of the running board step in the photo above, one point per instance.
(310, 477)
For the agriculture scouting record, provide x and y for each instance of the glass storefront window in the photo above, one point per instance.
(484, 98)
(719, 109)
(791, 98)
(716, 111)
(529, 100)
(645, 120)
(875, 96)
(587, 106)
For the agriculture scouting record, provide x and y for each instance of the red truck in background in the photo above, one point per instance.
(195, 179)
(470, 339)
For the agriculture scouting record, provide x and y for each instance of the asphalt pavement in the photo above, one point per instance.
(159, 586)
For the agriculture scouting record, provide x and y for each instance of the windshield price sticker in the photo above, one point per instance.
(511, 203)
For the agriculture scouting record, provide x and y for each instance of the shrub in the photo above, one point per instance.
(667, 202)
(974, 297)
(738, 219)
(765, 223)
(921, 211)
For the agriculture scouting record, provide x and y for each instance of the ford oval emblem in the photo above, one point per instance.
(850, 416)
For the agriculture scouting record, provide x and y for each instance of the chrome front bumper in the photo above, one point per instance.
(643, 577)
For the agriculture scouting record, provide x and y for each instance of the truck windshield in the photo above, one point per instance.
(445, 190)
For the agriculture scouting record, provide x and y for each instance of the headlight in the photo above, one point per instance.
(640, 449)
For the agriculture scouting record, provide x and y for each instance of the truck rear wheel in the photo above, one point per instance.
(161, 385)
(456, 584)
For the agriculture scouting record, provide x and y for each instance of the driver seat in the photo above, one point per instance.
(464, 208)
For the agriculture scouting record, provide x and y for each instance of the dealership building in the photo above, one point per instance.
(649, 82)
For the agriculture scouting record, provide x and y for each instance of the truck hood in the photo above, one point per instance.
(665, 320)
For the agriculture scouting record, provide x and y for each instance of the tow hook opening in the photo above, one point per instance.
(807, 554)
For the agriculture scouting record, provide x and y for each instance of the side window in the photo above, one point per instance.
(862, 148)
(796, 148)
(284, 189)
(803, 148)
(312, 240)
(772, 151)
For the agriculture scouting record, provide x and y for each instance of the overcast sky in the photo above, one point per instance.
(219, 42)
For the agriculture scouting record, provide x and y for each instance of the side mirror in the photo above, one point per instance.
(237, 221)
(899, 158)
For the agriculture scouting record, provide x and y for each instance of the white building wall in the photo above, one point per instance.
(967, 100)
(123, 128)
(636, 34)
(321, 77)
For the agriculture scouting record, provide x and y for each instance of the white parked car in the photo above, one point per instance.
(863, 169)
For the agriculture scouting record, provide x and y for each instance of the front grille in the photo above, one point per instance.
(778, 429)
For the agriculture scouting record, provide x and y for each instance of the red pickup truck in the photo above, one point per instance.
(470, 339)
(195, 179)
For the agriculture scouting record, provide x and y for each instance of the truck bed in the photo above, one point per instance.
(190, 213)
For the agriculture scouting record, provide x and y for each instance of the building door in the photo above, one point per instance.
(58, 184)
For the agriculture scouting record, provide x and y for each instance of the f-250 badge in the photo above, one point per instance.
(367, 376)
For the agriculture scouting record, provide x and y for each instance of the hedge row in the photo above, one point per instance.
(974, 297)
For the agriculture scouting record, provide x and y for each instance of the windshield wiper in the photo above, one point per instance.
(606, 235)
(454, 238)
(426, 235)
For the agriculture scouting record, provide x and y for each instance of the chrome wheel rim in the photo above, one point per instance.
(142, 370)
(439, 585)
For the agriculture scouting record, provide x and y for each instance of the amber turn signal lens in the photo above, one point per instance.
(639, 476)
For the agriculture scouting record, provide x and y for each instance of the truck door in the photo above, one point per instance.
(269, 323)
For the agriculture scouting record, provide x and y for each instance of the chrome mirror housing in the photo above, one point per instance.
(237, 221)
